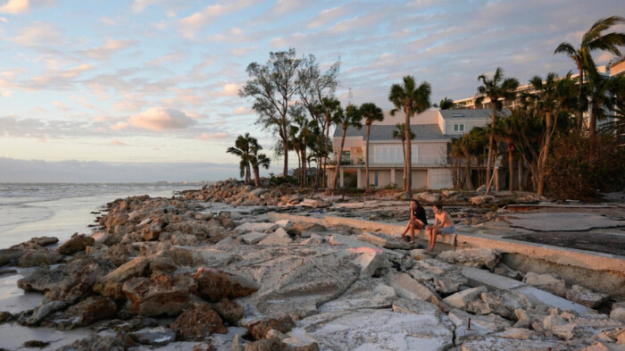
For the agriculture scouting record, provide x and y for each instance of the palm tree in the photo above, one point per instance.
(370, 113)
(241, 148)
(348, 118)
(446, 104)
(410, 99)
(605, 93)
(302, 136)
(258, 160)
(551, 97)
(592, 40)
(329, 106)
(400, 133)
(495, 90)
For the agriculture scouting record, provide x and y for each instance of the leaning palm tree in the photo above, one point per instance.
(370, 113)
(410, 99)
(496, 90)
(400, 133)
(241, 148)
(258, 160)
(348, 118)
(592, 40)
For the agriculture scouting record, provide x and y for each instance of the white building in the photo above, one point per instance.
(434, 130)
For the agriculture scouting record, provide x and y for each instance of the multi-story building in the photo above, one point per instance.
(434, 130)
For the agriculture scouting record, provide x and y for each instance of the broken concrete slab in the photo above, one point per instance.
(549, 299)
(371, 261)
(255, 227)
(279, 237)
(375, 330)
(479, 277)
(386, 241)
(367, 293)
(460, 299)
(480, 325)
(409, 288)
(253, 237)
(559, 222)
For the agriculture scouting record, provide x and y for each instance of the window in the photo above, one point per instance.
(458, 128)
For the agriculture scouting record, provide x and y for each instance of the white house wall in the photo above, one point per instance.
(469, 123)
(440, 178)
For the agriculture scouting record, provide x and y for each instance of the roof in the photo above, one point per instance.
(470, 113)
(423, 132)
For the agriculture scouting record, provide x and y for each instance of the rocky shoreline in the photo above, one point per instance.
(189, 273)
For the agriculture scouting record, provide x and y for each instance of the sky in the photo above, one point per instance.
(147, 90)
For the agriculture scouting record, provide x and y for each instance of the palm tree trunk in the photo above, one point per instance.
(511, 165)
(520, 174)
(408, 159)
(256, 176)
(542, 161)
(490, 148)
(327, 141)
(580, 113)
(468, 172)
(367, 158)
(593, 124)
(303, 183)
(338, 161)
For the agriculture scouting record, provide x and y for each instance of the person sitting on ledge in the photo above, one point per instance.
(443, 224)
(417, 221)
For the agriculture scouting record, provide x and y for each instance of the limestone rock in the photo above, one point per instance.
(279, 237)
(487, 343)
(409, 288)
(87, 312)
(41, 312)
(34, 258)
(371, 261)
(481, 199)
(480, 325)
(506, 271)
(229, 311)
(215, 285)
(77, 243)
(8, 255)
(549, 282)
(44, 240)
(306, 229)
(255, 227)
(111, 284)
(586, 297)
(253, 238)
(95, 342)
(158, 336)
(260, 329)
(427, 197)
(159, 295)
(478, 258)
(385, 241)
(460, 300)
(197, 323)
(364, 293)
(618, 314)
(375, 330)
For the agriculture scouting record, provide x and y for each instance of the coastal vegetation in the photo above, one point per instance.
(295, 101)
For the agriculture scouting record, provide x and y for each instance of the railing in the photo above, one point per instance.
(421, 161)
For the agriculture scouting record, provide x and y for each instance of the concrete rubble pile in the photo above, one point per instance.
(169, 272)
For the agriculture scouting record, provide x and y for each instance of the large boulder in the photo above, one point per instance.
(159, 295)
(77, 243)
(8, 255)
(34, 258)
(478, 258)
(427, 197)
(409, 288)
(40, 313)
(87, 312)
(111, 284)
(376, 330)
(195, 324)
(215, 285)
(229, 311)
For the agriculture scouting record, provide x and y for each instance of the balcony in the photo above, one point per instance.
(417, 161)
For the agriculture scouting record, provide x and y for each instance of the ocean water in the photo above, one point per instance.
(45, 209)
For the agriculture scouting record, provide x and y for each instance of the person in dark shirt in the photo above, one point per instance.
(417, 221)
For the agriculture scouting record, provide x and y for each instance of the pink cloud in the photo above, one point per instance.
(158, 119)
(117, 143)
(213, 136)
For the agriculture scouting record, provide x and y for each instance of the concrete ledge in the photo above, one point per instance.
(562, 256)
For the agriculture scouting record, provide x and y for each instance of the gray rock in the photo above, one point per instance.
(478, 258)
(460, 300)
(8, 255)
(375, 330)
(370, 261)
(34, 258)
(253, 238)
(41, 312)
(480, 325)
(586, 297)
(367, 293)
(409, 288)
(549, 282)
(385, 241)
(95, 342)
(427, 197)
(279, 237)
(153, 336)
(618, 314)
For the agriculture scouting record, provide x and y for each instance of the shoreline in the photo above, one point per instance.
(196, 234)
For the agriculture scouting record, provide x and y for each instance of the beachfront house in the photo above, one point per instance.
(431, 166)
